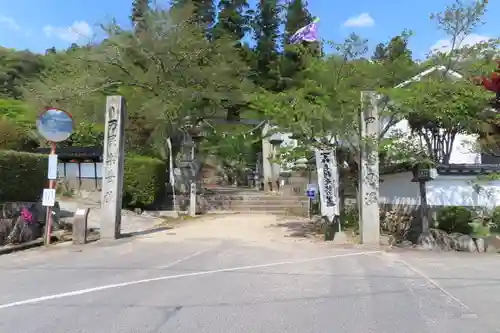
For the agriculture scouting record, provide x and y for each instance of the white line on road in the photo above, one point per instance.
(171, 277)
(435, 284)
(183, 259)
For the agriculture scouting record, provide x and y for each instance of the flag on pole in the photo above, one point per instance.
(309, 33)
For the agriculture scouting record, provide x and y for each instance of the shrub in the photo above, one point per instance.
(144, 181)
(396, 222)
(23, 176)
(454, 219)
(495, 220)
(18, 112)
(351, 218)
(12, 136)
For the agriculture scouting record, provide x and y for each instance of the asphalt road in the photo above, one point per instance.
(227, 285)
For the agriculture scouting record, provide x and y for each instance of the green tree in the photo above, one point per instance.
(18, 112)
(438, 109)
(324, 108)
(235, 151)
(233, 20)
(139, 10)
(17, 122)
(296, 57)
(233, 24)
(297, 16)
(380, 53)
(441, 106)
(16, 69)
(398, 48)
(395, 61)
(266, 28)
(181, 78)
(203, 11)
(458, 21)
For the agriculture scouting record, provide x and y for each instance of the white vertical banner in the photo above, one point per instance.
(328, 180)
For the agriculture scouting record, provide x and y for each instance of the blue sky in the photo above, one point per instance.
(38, 25)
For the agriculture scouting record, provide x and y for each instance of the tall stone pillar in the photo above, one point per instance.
(113, 164)
(276, 140)
(369, 170)
(267, 153)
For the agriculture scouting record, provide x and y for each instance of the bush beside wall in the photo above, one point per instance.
(454, 219)
(23, 176)
(144, 181)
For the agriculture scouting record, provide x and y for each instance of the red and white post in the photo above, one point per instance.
(48, 218)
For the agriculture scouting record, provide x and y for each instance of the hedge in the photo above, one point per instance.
(23, 176)
(454, 219)
(144, 181)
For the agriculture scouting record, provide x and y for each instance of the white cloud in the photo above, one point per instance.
(76, 32)
(444, 45)
(362, 20)
(9, 22)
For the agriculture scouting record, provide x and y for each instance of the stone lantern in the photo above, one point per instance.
(422, 173)
(276, 139)
(301, 163)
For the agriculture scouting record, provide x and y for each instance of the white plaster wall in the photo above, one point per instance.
(460, 191)
(463, 151)
(398, 189)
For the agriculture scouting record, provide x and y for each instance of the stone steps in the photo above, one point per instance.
(253, 198)
(219, 199)
(260, 203)
(249, 206)
(281, 212)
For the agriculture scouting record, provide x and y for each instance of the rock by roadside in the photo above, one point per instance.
(438, 240)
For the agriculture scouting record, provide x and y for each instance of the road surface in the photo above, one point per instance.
(240, 274)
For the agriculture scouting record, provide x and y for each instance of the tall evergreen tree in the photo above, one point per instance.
(297, 16)
(203, 11)
(139, 10)
(380, 53)
(396, 57)
(398, 49)
(295, 57)
(267, 24)
(233, 23)
(233, 20)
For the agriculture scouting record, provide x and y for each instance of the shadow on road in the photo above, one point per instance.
(145, 232)
(300, 229)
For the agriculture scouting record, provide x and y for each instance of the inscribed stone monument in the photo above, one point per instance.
(369, 170)
(267, 151)
(113, 163)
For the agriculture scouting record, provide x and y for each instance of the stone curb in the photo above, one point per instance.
(20, 247)
(57, 236)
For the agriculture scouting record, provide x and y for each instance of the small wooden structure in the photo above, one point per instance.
(79, 167)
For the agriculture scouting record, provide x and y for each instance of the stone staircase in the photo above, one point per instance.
(252, 201)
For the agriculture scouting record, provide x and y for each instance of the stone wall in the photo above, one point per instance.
(15, 229)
